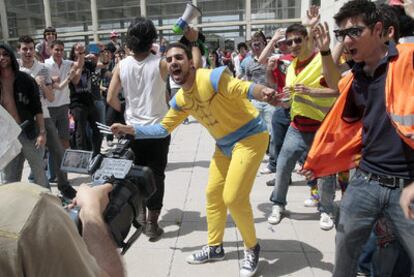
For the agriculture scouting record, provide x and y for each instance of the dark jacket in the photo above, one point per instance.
(26, 96)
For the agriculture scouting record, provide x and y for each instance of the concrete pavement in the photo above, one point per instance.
(295, 247)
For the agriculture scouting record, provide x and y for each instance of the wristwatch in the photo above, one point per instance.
(325, 53)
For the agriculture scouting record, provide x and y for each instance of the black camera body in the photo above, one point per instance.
(131, 185)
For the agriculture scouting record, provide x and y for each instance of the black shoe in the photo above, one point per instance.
(270, 183)
(53, 180)
(68, 191)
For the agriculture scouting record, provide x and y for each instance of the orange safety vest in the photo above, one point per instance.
(337, 144)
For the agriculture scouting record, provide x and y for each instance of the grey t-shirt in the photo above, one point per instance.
(256, 72)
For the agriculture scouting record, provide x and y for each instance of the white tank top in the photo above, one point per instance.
(144, 90)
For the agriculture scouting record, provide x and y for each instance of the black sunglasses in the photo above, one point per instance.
(353, 32)
(297, 40)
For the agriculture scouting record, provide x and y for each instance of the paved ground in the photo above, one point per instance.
(295, 247)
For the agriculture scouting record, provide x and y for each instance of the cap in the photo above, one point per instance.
(114, 34)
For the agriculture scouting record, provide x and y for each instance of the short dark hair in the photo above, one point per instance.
(25, 39)
(406, 22)
(49, 29)
(259, 35)
(56, 42)
(296, 28)
(390, 19)
(242, 45)
(363, 8)
(180, 45)
(141, 35)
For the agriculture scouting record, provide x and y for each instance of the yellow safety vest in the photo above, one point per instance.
(304, 105)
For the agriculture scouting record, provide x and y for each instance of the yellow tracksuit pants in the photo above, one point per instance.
(229, 185)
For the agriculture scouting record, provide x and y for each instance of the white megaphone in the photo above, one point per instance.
(190, 13)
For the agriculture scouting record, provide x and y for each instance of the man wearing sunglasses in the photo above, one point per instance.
(369, 128)
(307, 94)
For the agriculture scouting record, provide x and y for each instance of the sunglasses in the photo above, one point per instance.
(49, 34)
(297, 40)
(353, 32)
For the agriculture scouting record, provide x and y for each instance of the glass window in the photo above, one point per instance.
(25, 17)
(71, 16)
(275, 9)
(165, 12)
(220, 11)
(117, 14)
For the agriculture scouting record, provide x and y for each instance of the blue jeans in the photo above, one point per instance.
(34, 156)
(265, 113)
(326, 188)
(363, 203)
(280, 125)
(101, 109)
(296, 143)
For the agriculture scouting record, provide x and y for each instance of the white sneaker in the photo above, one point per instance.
(265, 170)
(311, 202)
(276, 214)
(326, 223)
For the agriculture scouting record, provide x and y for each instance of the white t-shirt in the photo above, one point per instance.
(62, 96)
(144, 90)
(39, 69)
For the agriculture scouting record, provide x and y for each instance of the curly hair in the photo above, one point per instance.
(141, 35)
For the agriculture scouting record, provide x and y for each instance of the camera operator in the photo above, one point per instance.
(38, 238)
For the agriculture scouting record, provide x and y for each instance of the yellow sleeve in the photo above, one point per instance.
(234, 88)
(173, 118)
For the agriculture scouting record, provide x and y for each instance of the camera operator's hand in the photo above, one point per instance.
(95, 233)
(119, 129)
(92, 200)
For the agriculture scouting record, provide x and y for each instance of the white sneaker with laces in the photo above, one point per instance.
(326, 223)
(250, 262)
(276, 214)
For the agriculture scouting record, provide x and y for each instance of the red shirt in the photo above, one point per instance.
(279, 73)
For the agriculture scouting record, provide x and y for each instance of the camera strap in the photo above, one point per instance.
(133, 238)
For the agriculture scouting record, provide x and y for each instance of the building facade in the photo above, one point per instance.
(93, 20)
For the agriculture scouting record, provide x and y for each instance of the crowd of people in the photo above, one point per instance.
(342, 116)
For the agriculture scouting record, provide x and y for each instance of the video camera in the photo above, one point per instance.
(131, 185)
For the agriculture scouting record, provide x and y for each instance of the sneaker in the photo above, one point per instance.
(265, 170)
(271, 183)
(207, 254)
(326, 223)
(250, 262)
(276, 215)
(311, 202)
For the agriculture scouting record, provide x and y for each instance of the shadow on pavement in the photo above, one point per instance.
(266, 209)
(180, 165)
(276, 263)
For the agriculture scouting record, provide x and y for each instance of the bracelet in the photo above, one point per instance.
(325, 53)
(42, 132)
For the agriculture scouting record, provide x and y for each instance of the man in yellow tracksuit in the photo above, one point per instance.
(221, 104)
